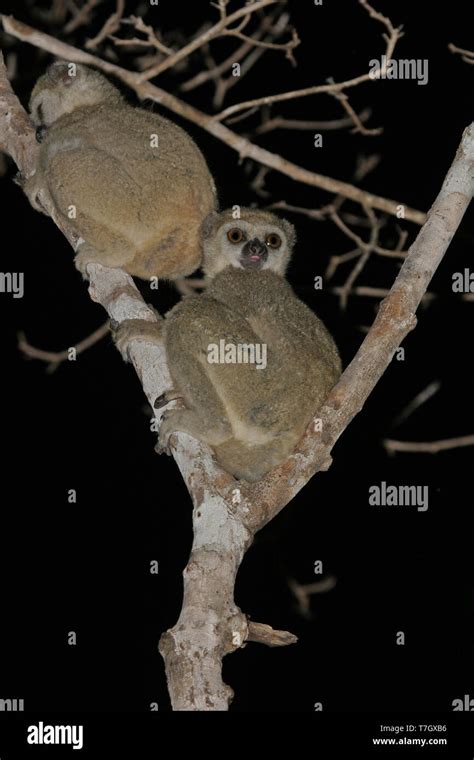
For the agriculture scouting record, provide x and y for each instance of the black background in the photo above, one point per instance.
(84, 567)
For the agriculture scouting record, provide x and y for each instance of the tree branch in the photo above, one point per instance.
(466, 55)
(395, 319)
(55, 358)
(428, 447)
(210, 34)
(240, 144)
(394, 34)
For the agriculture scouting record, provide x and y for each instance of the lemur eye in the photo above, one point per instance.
(273, 240)
(235, 235)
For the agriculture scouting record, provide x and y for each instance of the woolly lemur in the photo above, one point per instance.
(132, 184)
(252, 417)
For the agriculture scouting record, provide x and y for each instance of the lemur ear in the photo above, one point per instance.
(63, 73)
(209, 224)
(290, 232)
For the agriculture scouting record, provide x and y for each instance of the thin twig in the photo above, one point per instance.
(188, 286)
(279, 122)
(336, 261)
(55, 358)
(265, 634)
(420, 398)
(391, 40)
(366, 251)
(243, 146)
(82, 17)
(223, 86)
(288, 47)
(359, 128)
(428, 447)
(304, 592)
(387, 252)
(151, 38)
(218, 70)
(202, 39)
(110, 26)
(367, 291)
(466, 55)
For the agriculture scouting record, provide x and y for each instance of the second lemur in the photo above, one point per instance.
(252, 417)
(132, 185)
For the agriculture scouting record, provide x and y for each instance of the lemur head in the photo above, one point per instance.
(256, 240)
(65, 87)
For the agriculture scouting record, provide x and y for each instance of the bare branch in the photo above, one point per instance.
(216, 71)
(15, 127)
(55, 358)
(190, 285)
(388, 252)
(268, 23)
(243, 146)
(265, 634)
(466, 55)
(252, 57)
(336, 261)
(357, 122)
(151, 38)
(332, 88)
(110, 26)
(304, 592)
(428, 447)
(395, 319)
(331, 211)
(279, 122)
(366, 250)
(258, 182)
(379, 17)
(370, 292)
(202, 39)
(82, 17)
(420, 398)
(288, 47)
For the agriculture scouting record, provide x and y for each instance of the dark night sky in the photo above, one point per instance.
(84, 566)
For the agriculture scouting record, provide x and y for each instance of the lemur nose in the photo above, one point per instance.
(256, 246)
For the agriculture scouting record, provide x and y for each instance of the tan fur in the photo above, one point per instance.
(252, 417)
(137, 207)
